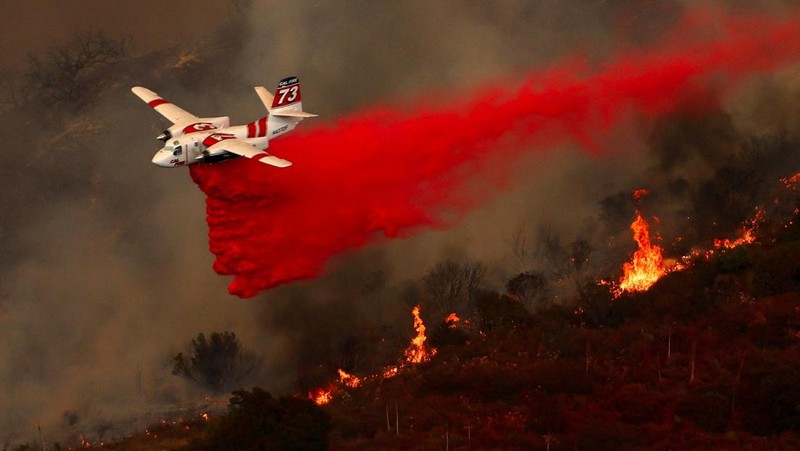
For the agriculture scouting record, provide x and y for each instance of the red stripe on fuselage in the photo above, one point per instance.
(215, 138)
(251, 130)
(263, 124)
(157, 102)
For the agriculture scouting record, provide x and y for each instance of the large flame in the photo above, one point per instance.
(417, 351)
(647, 263)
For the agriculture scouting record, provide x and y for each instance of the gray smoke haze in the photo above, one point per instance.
(107, 273)
(156, 25)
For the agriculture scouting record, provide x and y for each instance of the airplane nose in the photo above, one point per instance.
(161, 158)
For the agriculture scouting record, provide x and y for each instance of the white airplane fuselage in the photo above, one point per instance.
(192, 141)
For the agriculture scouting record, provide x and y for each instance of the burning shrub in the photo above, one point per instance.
(256, 420)
(216, 364)
(445, 336)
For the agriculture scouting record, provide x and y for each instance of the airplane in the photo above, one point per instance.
(191, 139)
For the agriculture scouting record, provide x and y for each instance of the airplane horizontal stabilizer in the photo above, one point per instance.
(272, 160)
(290, 113)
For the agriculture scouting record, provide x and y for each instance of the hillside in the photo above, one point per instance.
(707, 358)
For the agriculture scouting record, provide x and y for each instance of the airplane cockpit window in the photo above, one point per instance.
(177, 151)
(169, 148)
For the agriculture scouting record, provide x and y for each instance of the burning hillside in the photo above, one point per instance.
(416, 353)
(647, 264)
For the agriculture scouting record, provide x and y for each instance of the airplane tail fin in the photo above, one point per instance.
(286, 101)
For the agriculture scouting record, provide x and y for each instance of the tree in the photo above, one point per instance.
(215, 364)
(519, 247)
(501, 313)
(256, 420)
(60, 75)
(447, 283)
(474, 272)
(579, 253)
(551, 251)
(529, 287)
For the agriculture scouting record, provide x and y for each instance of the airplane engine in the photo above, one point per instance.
(201, 124)
(211, 158)
(164, 136)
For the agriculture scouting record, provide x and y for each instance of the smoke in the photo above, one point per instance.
(396, 171)
(105, 269)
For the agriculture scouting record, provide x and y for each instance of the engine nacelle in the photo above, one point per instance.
(207, 157)
(202, 124)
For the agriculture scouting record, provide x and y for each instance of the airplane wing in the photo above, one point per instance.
(243, 149)
(169, 110)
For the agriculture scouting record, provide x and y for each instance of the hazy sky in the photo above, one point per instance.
(32, 25)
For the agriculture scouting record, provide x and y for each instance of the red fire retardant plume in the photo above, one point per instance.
(392, 172)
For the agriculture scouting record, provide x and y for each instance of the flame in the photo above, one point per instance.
(452, 320)
(747, 232)
(647, 263)
(321, 396)
(348, 379)
(416, 352)
(792, 183)
(390, 371)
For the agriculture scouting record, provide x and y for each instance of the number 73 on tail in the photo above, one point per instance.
(191, 139)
